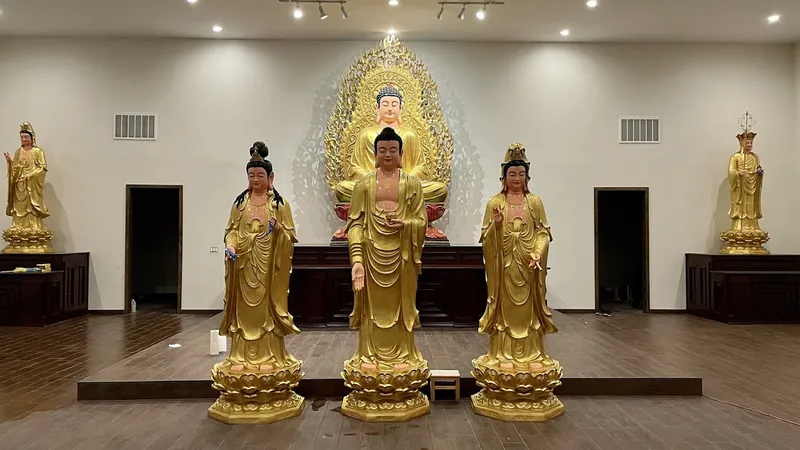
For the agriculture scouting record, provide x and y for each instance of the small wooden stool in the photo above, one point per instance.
(451, 380)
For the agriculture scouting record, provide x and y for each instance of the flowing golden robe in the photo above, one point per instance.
(26, 177)
(745, 190)
(362, 163)
(256, 314)
(516, 317)
(385, 311)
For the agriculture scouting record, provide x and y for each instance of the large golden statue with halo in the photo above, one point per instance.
(26, 175)
(517, 375)
(389, 87)
(256, 379)
(385, 233)
(745, 178)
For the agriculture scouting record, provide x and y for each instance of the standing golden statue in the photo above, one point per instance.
(26, 174)
(745, 177)
(385, 233)
(256, 379)
(517, 375)
(389, 87)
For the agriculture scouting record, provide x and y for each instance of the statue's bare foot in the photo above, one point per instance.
(237, 368)
(266, 368)
(507, 366)
(401, 367)
(536, 367)
(367, 367)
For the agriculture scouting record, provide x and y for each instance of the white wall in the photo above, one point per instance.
(214, 98)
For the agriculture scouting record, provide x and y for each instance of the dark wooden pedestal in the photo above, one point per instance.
(744, 289)
(73, 270)
(451, 289)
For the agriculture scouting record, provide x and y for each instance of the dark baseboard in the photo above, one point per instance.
(200, 311)
(666, 311)
(577, 311)
(106, 312)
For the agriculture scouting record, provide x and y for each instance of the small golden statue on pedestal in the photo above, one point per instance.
(26, 175)
(516, 375)
(256, 379)
(385, 233)
(746, 177)
(389, 87)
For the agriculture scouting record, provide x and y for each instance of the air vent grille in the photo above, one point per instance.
(640, 130)
(135, 126)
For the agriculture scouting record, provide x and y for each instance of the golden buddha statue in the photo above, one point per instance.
(516, 239)
(26, 175)
(745, 178)
(389, 87)
(257, 377)
(386, 232)
(362, 160)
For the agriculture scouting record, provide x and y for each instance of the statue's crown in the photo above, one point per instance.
(515, 152)
(26, 127)
(389, 91)
(746, 122)
(256, 157)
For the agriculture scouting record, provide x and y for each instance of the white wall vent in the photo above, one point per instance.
(639, 130)
(135, 126)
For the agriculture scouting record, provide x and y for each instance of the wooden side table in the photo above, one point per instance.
(445, 380)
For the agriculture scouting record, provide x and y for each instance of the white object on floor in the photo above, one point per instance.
(223, 344)
(213, 347)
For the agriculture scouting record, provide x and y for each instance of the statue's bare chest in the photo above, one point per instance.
(387, 193)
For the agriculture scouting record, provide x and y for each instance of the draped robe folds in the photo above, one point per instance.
(516, 317)
(745, 207)
(385, 311)
(362, 163)
(26, 178)
(256, 314)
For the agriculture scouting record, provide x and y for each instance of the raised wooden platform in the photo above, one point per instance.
(451, 290)
(24, 303)
(743, 288)
(595, 363)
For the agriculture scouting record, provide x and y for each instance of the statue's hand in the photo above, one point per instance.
(274, 225)
(535, 258)
(497, 216)
(392, 222)
(358, 276)
(230, 252)
(8, 157)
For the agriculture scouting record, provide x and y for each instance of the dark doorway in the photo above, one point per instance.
(153, 247)
(621, 249)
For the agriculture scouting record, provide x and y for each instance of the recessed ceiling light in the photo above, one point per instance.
(565, 32)
(591, 3)
(393, 2)
(391, 31)
(774, 18)
(216, 29)
(192, 1)
(298, 13)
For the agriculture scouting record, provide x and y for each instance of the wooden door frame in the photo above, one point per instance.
(645, 245)
(128, 226)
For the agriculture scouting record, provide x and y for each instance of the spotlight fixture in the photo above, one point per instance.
(480, 14)
(393, 2)
(216, 29)
(775, 18)
(565, 32)
(591, 4)
(298, 11)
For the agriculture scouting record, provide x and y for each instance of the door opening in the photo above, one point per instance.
(621, 241)
(153, 247)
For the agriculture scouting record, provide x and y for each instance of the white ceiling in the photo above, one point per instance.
(517, 20)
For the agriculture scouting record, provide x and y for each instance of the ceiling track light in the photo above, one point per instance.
(481, 14)
(298, 11)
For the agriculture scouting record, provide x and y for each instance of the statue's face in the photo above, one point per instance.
(25, 139)
(748, 145)
(259, 181)
(389, 109)
(516, 179)
(388, 155)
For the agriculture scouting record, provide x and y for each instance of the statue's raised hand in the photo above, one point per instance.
(497, 216)
(358, 276)
(8, 157)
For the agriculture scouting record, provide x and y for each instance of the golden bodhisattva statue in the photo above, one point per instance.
(386, 232)
(389, 87)
(517, 375)
(26, 174)
(745, 177)
(256, 379)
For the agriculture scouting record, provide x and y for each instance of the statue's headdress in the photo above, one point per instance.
(515, 156)
(389, 91)
(27, 128)
(258, 158)
(746, 122)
